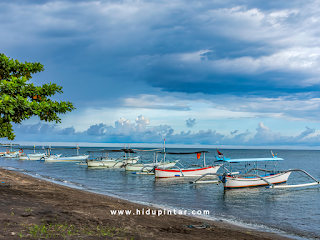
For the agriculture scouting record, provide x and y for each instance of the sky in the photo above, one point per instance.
(218, 73)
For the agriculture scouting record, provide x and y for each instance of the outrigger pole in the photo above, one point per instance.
(270, 185)
(316, 182)
(164, 150)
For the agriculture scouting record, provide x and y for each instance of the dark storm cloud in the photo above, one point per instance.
(104, 51)
(112, 42)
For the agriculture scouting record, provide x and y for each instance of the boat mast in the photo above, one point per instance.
(77, 149)
(129, 150)
(204, 159)
(164, 150)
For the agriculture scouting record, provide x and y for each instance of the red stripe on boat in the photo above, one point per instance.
(184, 170)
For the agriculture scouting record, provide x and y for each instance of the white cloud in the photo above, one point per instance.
(190, 122)
(124, 131)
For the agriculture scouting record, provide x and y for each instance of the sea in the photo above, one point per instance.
(292, 212)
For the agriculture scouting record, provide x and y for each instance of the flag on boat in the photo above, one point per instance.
(198, 155)
(220, 154)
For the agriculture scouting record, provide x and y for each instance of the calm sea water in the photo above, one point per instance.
(295, 211)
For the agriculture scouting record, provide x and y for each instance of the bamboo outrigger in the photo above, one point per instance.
(251, 178)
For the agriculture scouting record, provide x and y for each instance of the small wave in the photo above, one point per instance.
(14, 169)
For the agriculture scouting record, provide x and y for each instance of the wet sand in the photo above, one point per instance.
(33, 208)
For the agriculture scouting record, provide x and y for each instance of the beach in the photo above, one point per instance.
(36, 208)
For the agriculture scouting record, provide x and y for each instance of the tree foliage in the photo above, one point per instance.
(20, 100)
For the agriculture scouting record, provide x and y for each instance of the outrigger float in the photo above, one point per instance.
(251, 178)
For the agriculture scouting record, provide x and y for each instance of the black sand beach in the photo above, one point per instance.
(37, 209)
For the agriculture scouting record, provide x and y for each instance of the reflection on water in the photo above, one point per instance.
(293, 210)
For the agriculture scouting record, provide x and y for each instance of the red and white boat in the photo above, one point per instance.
(191, 171)
(186, 172)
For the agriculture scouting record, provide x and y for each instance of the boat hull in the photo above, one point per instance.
(11, 155)
(167, 173)
(241, 182)
(32, 156)
(66, 159)
(148, 167)
(110, 163)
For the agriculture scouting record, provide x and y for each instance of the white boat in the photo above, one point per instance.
(191, 171)
(11, 154)
(234, 181)
(58, 158)
(111, 162)
(147, 167)
(252, 177)
(32, 156)
(150, 166)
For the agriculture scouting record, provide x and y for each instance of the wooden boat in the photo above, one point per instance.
(186, 172)
(32, 156)
(253, 177)
(147, 167)
(59, 158)
(240, 181)
(142, 167)
(191, 171)
(107, 162)
(11, 154)
(112, 162)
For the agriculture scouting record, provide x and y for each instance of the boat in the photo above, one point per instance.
(11, 153)
(255, 177)
(32, 156)
(109, 162)
(190, 171)
(59, 158)
(112, 162)
(148, 167)
(185, 172)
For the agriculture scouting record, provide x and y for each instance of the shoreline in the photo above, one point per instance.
(28, 202)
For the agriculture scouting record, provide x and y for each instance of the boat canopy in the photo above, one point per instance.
(126, 150)
(249, 159)
(147, 150)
